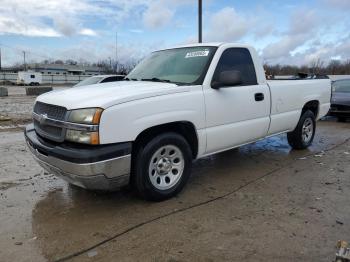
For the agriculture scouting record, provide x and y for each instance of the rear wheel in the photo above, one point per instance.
(304, 133)
(162, 167)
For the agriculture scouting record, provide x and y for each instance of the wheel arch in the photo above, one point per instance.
(313, 106)
(185, 128)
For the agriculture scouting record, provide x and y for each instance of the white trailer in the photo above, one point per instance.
(29, 78)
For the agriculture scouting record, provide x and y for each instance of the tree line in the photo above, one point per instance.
(317, 67)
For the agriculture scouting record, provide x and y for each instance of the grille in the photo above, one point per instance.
(51, 130)
(52, 111)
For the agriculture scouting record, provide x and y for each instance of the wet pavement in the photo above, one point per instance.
(262, 202)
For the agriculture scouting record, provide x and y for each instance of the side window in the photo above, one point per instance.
(342, 86)
(32, 76)
(109, 79)
(120, 78)
(237, 59)
(347, 84)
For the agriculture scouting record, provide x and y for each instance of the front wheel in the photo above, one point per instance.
(162, 167)
(304, 133)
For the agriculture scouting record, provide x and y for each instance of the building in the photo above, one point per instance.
(63, 69)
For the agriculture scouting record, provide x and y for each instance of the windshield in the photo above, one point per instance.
(342, 86)
(181, 65)
(89, 81)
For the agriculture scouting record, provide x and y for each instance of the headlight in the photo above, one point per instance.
(84, 137)
(86, 116)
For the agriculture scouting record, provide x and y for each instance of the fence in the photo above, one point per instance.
(48, 78)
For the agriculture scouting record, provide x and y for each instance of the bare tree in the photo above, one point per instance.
(317, 67)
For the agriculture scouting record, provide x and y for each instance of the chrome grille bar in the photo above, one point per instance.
(62, 124)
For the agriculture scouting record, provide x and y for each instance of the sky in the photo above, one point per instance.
(284, 32)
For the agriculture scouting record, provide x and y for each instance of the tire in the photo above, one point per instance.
(341, 119)
(303, 134)
(162, 167)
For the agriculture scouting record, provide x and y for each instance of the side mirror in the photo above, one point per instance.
(227, 79)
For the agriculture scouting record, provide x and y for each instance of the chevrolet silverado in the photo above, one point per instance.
(177, 105)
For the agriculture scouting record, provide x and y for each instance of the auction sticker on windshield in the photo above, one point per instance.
(197, 53)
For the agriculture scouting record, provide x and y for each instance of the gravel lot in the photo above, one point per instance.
(263, 202)
(18, 107)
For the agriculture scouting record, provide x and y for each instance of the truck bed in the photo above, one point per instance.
(289, 96)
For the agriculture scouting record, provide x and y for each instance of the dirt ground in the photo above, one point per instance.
(262, 202)
(17, 107)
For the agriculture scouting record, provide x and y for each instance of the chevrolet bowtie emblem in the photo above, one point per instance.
(42, 118)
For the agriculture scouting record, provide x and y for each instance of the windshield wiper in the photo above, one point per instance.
(130, 79)
(155, 79)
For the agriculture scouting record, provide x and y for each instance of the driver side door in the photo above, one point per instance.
(240, 114)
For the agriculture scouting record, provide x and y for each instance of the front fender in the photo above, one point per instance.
(124, 122)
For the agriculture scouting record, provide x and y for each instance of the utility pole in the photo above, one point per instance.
(199, 21)
(0, 58)
(24, 60)
(116, 52)
(110, 64)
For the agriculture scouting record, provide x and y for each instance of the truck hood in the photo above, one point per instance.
(109, 94)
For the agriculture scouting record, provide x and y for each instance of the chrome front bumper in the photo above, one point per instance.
(110, 174)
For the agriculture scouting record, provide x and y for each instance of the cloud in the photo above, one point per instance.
(284, 46)
(264, 30)
(69, 17)
(324, 52)
(10, 25)
(341, 4)
(65, 25)
(303, 22)
(136, 31)
(230, 25)
(157, 15)
(52, 18)
(310, 32)
(303, 27)
(227, 25)
(44, 18)
(87, 32)
(343, 49)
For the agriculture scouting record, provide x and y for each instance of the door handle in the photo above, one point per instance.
(259, 97)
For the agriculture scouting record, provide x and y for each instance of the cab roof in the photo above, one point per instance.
(215, 44)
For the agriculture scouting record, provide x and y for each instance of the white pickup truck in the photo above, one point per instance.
(177, 105)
